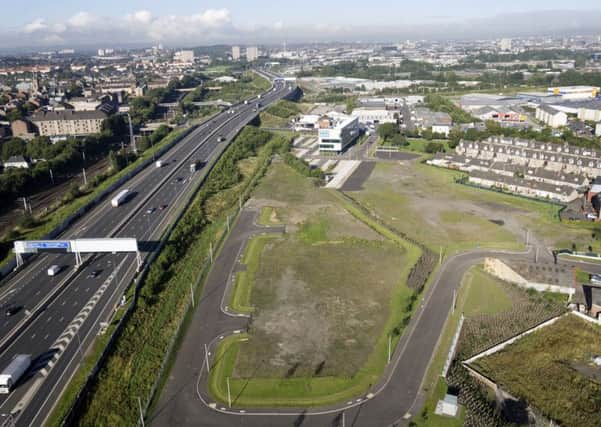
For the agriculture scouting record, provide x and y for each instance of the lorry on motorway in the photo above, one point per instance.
(194, 166)
(13, 372)
(54, 270)
(159, 163)
(120, 198)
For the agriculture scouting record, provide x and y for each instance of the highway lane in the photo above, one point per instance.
(48, 325)
(31, 285)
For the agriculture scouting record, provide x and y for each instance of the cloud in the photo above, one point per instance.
(35, 25)
(217, 25)
(81, 20)
(142, 17)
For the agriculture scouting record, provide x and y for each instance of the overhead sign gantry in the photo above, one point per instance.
(77, 247)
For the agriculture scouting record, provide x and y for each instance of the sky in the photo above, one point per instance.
(192, 22)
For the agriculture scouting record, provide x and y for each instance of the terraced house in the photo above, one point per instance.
(529, 168)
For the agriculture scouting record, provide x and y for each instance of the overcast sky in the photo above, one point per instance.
(186, 22)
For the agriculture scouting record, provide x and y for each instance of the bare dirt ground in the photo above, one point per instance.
(322, 292)
(316, 312)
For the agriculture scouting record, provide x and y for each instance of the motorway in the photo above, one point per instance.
(61, 315)
(398, 395)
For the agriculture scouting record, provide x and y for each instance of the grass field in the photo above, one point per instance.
(418, 145)
(552, 369)
(425, 203)
(320, 324)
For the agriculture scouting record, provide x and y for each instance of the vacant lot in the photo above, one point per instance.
(288, 198)
(552, 369)
(316, 312)
(325, 297)
(425, 203)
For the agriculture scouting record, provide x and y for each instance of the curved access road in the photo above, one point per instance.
(185, 401)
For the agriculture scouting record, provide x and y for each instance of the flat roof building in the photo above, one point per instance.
(236, 53)
(68, 122)
(337, 131)
(252, 53)
(551, 117)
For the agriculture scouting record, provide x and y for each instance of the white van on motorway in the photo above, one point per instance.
(54, 270)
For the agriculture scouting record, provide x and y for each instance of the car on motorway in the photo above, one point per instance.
(178, 179)
(150, 211)
(163, 207)
(54, 270)
(220, 138)
(11, 310)
(94, 273)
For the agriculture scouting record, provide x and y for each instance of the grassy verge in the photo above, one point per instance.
(55, 217)
(479, 293)
(140, 353)
(240, 297)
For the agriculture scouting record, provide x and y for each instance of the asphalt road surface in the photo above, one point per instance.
(185, 401)
(70, 306)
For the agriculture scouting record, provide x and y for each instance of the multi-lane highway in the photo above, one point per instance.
(61, 315)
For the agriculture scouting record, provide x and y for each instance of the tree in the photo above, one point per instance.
(13, 147)
(434, 147)
(387, 130)
(115, 126)
(15, 114)
(143, 143)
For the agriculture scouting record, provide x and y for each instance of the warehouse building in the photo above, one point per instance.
(368, 115)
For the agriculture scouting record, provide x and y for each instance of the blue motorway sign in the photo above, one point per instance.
(48, 244)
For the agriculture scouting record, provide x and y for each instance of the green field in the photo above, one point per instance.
(418, 145)
(428, 205)
(320, 324)
(552, 370)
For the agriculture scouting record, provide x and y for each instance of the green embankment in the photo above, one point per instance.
(138, 354)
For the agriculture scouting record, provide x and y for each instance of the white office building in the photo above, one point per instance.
(337, 131)
(252, 53)
(236, 53)
(184, 56)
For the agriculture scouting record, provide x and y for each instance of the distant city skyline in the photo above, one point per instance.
(182, 22)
